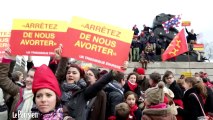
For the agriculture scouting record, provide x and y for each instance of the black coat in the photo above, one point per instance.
(143, 84)
(192, 108)
(138, 114)
(190, 36)
(76, 106)
(208, 107)
(176, 90)
(136, 31)
(114, 96)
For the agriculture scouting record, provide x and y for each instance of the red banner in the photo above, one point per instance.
(177, 46)
(88, 41)
(41, 43)
(4, 40)
(96, 49)
(37, 37)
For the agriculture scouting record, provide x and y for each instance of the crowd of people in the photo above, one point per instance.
(146, 45)
(64, 91)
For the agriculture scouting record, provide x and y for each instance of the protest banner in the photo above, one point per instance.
(98, 43)
(37, 37)
(4, 41)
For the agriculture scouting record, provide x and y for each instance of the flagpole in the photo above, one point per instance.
(189, 62)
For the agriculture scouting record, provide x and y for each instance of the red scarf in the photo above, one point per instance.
(132, 110)
(166, 100)
(131, 86)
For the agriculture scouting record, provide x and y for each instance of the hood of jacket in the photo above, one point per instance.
(114, 86)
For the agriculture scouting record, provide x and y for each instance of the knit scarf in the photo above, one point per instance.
(28, 103)
(132, 86)
(69, 88)
(132, 110)
(54, 115)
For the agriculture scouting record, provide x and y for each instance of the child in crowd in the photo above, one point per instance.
(155, 109)
(144, 60)
(18, 78)
(131, 84)
(170, 81)
(131, 99)
(122, 111)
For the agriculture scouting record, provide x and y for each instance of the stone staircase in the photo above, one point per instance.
(176, 67)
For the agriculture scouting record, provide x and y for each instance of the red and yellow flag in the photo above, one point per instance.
(177, 46)
(198, 47)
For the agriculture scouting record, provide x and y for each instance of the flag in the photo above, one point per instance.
(173, 22)
(177, 46)
(198, 47)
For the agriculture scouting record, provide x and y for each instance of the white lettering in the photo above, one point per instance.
(24, 115)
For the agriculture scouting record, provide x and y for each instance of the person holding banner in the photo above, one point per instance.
(75, 80)
(77, 102)
(23, 97)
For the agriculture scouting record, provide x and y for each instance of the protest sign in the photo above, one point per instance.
(4, 41)
(98, 43)
(37, 37)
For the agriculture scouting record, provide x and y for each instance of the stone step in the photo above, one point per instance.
(176, 67)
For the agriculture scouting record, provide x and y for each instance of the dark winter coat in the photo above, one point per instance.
(176, 90)
(76, 105)
(192, 108)
(78, 101)
(143, 84)
(208, 107)
(136, 31)
(152, 39)
(190, 36)
(115, 96)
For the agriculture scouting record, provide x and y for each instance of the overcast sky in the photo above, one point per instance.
(122, 13)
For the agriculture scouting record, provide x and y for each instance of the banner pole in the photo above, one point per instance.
(189, 62)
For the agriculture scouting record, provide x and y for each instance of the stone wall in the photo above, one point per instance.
(176, 67)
